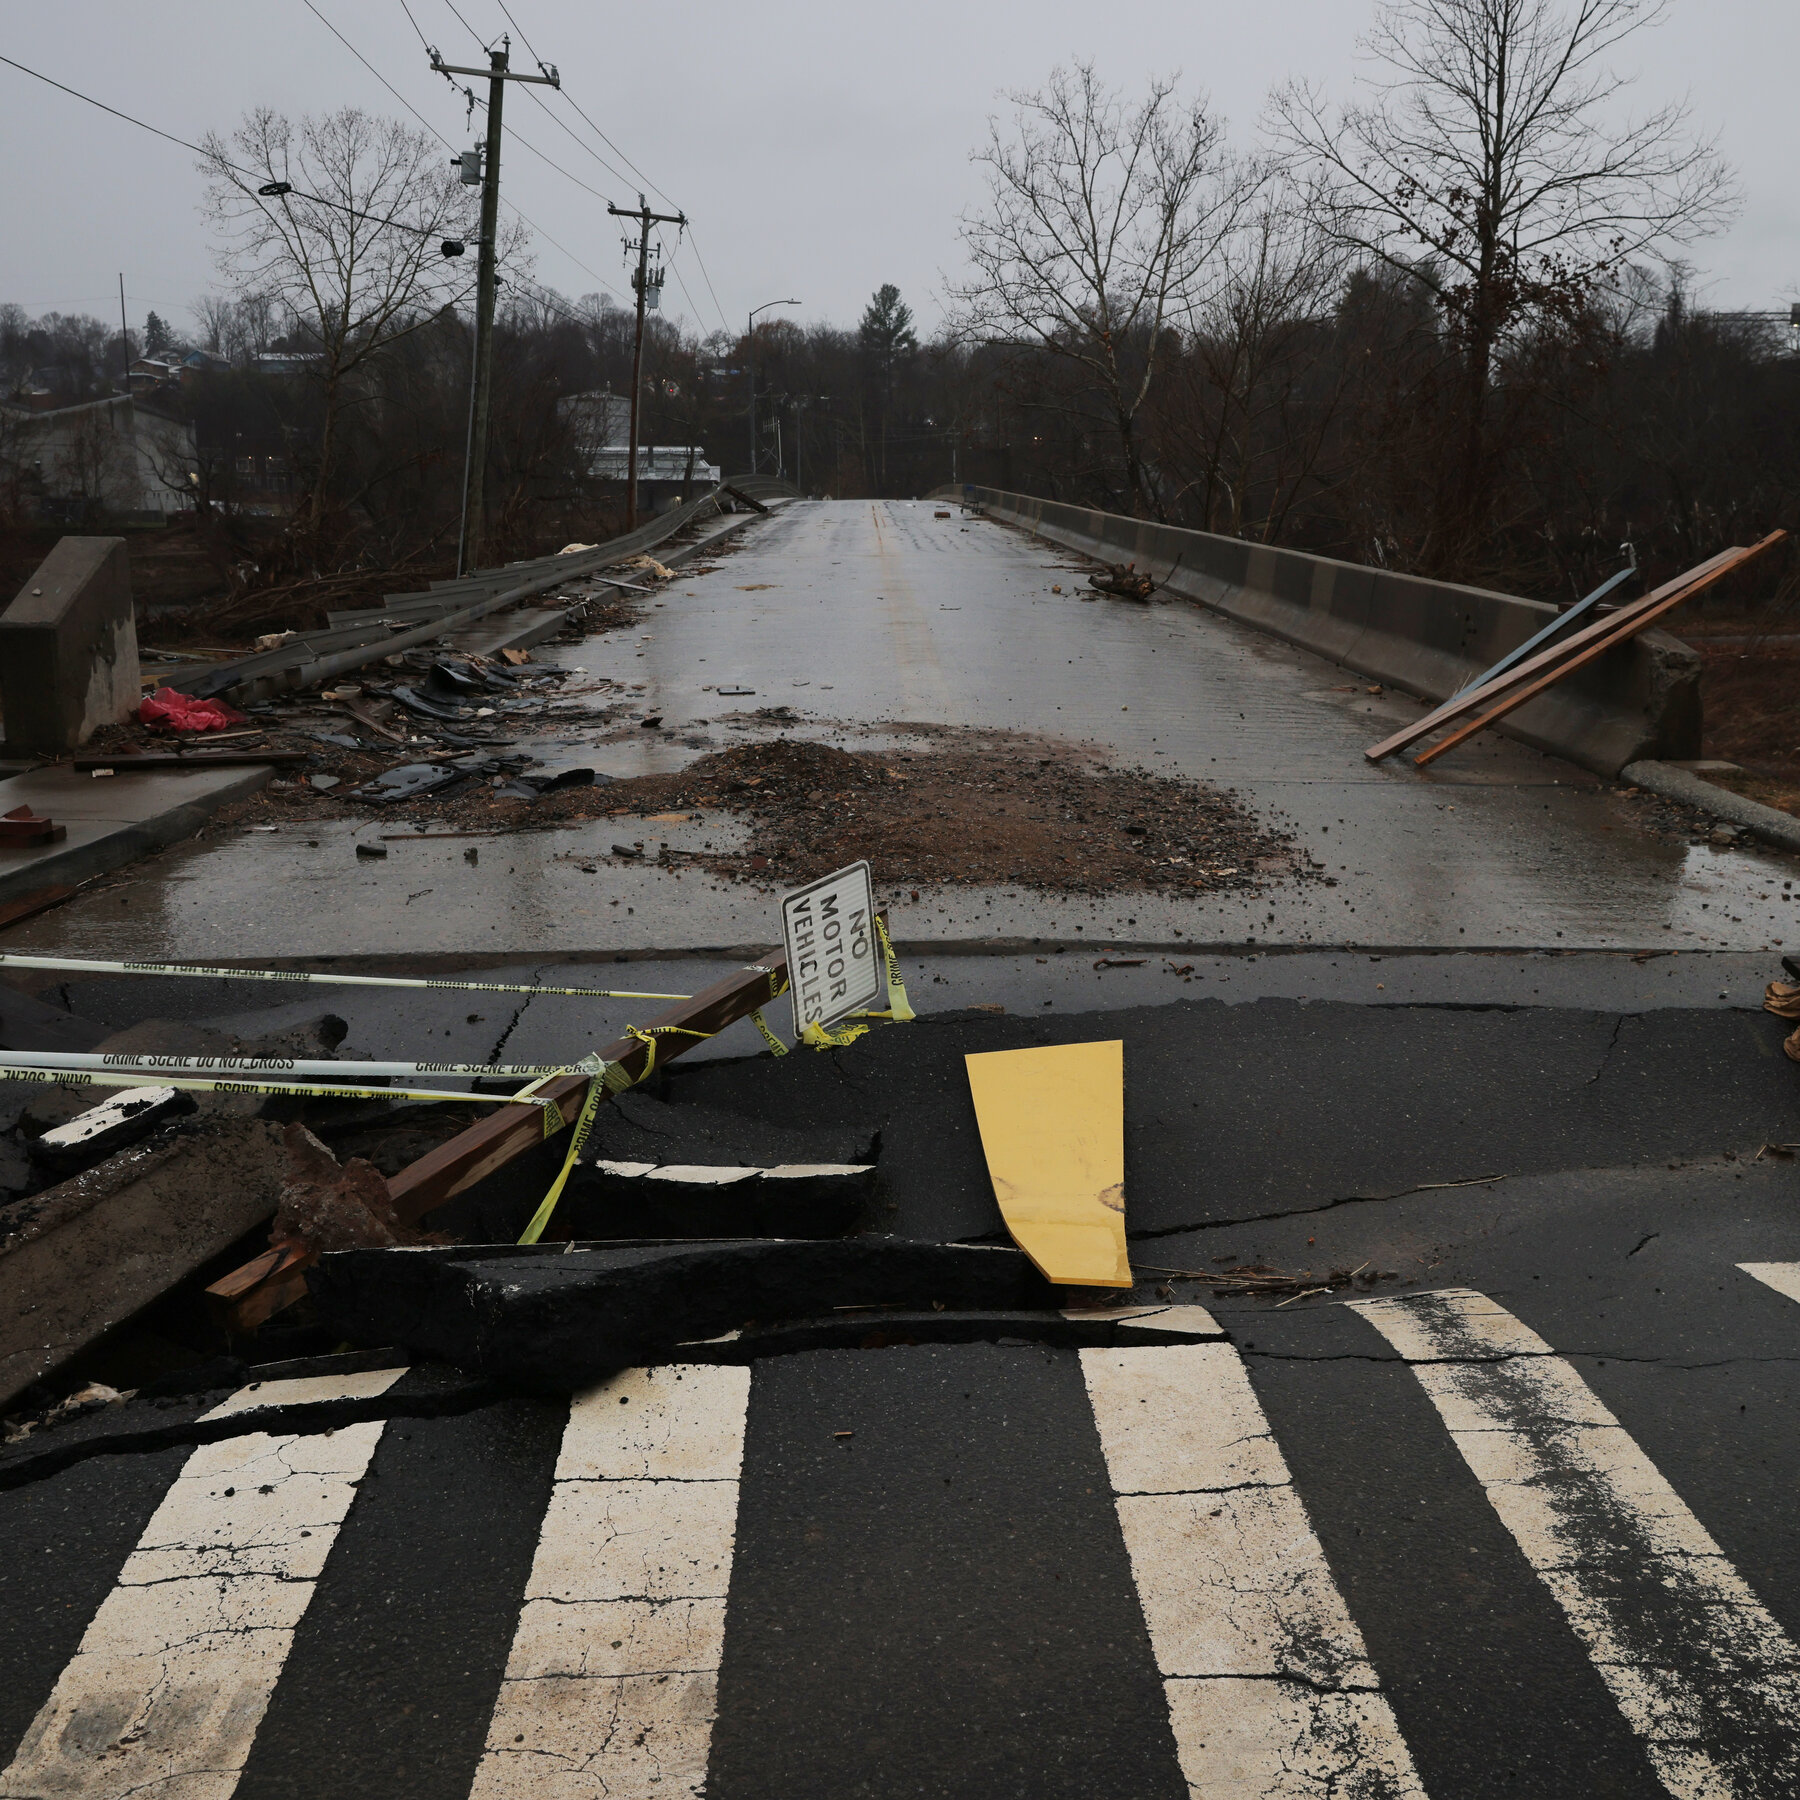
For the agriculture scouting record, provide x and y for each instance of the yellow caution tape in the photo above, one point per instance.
(81, 965)
(899, 1008)
(776, 1046)
(596, 1093)
(126, 1078)
(148, 1063)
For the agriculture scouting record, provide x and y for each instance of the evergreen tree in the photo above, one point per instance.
(885, 337)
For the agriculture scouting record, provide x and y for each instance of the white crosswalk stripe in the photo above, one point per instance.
(611, 1686)
(612, 1683)
(1698, 1666)
(1271, 1694)
(1784, 1278)
(170, 1682)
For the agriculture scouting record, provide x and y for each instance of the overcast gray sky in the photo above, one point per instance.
(820, 149)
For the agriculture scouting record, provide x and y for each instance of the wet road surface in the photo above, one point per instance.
(860, 615)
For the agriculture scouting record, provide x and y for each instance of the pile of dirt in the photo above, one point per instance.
(976, 809)
(970, 808)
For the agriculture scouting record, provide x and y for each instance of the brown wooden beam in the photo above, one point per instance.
(266, 1284)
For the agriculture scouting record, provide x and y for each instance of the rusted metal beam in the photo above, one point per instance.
(262, 1287)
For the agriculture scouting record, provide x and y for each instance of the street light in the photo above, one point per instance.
(750, 350)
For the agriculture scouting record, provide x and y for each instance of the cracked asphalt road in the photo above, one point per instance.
(1508, 1511)
(1288, 1564)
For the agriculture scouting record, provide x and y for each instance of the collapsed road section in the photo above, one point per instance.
(1240, 1236)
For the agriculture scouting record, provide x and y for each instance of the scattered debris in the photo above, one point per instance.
(1124, 580)
(22, 827)
(1261, 1279)
(182, 712)
(974, 808)
(1506, 692)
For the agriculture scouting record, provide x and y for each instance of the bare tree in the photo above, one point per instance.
(1259, 378)
(237, 326)
(1099, 222)
(1491, 162)
(358, 263)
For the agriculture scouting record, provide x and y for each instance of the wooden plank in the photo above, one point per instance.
(1555, 628)
(244, 1298)
(1466, 699)
(12, 911)
(1052, 1124)
(1623, 629)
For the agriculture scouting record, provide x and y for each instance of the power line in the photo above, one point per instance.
(669, 263)
(355, 212)
(377, 74)
(601, 160)
(538, 230)
(581, 112)
(694, 240)
(530, 47)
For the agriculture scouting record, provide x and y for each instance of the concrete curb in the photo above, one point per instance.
(1683, 785)
(127, 839)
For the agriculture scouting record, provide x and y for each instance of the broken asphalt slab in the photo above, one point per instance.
(553, 1318)
(1278, 1107)
(175, 1412)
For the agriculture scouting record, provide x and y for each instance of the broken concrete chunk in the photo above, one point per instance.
(94, 1135)
(333, 1206)
(553, 1318)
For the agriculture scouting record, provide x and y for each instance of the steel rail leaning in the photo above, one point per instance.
(1469, 698)
(1641, 621)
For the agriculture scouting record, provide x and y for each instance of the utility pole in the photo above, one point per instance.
(124, 334)
(750, 352)
(640, 279)
(482, 164)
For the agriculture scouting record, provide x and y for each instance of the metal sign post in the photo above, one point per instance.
(834, 960)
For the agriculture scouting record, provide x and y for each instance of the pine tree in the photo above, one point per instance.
(885, 335)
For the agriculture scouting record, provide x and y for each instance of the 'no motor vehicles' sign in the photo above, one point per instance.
(834, 961)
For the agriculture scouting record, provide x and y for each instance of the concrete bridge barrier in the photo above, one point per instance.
(68, 648)
(1638, 701)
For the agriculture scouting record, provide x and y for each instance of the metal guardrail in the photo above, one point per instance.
(351, 643)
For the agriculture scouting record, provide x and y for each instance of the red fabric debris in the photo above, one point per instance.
(182, 712)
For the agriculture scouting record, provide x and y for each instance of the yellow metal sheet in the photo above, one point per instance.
(1053, 1129)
